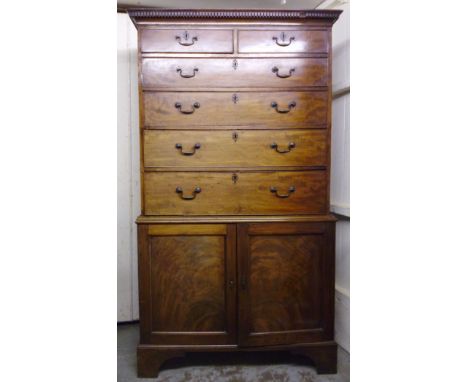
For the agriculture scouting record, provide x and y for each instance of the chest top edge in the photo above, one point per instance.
(147, 15)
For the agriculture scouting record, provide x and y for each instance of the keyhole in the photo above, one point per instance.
(235, 177)
(186, 35)
(283, 36)
(235, 136)
(235, 98)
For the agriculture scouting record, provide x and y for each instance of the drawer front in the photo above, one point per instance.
(267, 109)
(216, 193)
(255, 72)
(235, 148)
(288, 41)
(186, 41)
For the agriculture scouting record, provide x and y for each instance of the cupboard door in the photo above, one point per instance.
(286, 280)
(187, 284)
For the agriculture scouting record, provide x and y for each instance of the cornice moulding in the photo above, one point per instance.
(145, 13)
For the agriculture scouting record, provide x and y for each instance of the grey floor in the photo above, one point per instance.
(229, 367)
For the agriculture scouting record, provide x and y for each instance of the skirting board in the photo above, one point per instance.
(342, 304)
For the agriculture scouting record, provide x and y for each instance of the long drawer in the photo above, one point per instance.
(227, 72)
(271, 109)
(235, 148)
(242, 193)
(186, 40)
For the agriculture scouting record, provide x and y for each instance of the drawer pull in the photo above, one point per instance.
(291, 145)
(196, 191)
(179, 70)
(178, 106)
(276, 70)
(290, 106)
(186, 37)
(283, 39)
(275, 191)
(178, 146)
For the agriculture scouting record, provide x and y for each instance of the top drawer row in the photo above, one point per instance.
(222, 41)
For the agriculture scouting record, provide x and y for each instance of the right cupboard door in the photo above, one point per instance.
(286, 278)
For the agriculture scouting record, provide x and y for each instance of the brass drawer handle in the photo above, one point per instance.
(291, 145)
(179, 70)
(186, 37)
(283, 39)
(178, 146)
(180, 191)
(275, 191)
(290, 106)
(276, 70)
(178, 106)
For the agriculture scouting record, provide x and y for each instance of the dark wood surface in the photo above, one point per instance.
(235, 241)
(191, 271)
(143, 16)
(285, 269)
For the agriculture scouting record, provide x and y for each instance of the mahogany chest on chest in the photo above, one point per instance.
(236, 241)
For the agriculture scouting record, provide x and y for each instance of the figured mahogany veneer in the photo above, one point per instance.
(235, 148)
(240, 193)
(235, 240)
(293, 109)
(234, 73)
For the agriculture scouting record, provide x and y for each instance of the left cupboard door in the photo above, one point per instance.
(187, 284)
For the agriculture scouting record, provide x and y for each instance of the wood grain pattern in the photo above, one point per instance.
(249, 195)
(284, 281)
(189, 269)
(187, 291)
(229, 72)
(186, 229)
(207, 41)
(235, 148)
(304, 41)
(250, 109)
(148, 219)
(284, 268)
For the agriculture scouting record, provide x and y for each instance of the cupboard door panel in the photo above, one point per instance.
(287, 283)
(190, 299)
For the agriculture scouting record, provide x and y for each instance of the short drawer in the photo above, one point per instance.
(220, 72)
(242, 193)
(186, 41)
(256, 109)
(235, 148)
(287, 41)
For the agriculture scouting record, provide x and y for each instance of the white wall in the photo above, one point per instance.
(128, 179)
